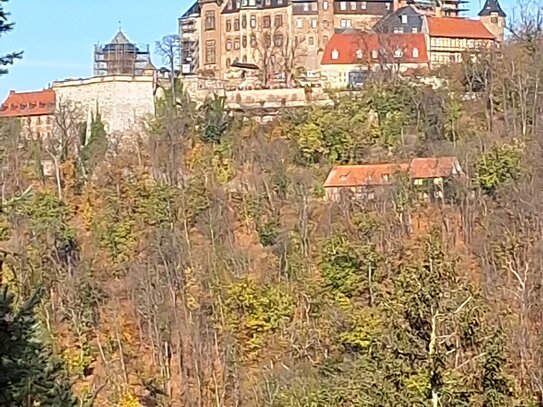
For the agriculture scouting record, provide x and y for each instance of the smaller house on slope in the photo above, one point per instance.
(428, 175)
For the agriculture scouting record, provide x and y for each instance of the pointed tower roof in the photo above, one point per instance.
(492, 6)
(120, 39)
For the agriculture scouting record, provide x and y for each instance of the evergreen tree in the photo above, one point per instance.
(5, 27)
(29, 374)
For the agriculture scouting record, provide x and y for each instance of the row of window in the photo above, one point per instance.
(398, 53)
(266, 22)
(39, 120)
(357, 5)
(456, 42)
(235, 44)
(446, 58)
(400, 30)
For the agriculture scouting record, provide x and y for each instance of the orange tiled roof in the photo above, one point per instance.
(360, 175)
(357, 47)
(28, 104)
(451, 27)
(382, 174)
(434, 167)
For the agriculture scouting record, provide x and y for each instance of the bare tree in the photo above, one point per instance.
(169, 50)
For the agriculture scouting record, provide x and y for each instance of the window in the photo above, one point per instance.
(353, 5)
(414, 30)
(398, 30)
(306, 6)
(387, 6)
(398, 53)
(236, 43)
(494, 20)
(325, 5)
(299, 23)
(280, 2)
(404, 19)
(278, 20)
(314, 6)
(210, 20)
(210, 52)
(244, 41)
(278, 40)
(236, 24)
(228, 62)
(266, 40)
(342, 5)
(363, 5)
(335, 54)
(267, 21)
(253, 21)
(228, 45)
(228, 26)
(268, 3)
(244, 58)
(311, 40)
(415, 52)
(244, 21)
(374, 54)
(253, 41)
(313, 23)
(386, 177)
(325, 39)
(344, 23)
(359, 54)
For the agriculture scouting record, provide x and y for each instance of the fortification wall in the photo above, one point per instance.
(123, 101)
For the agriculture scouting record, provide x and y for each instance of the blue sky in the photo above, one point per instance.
(58, 36)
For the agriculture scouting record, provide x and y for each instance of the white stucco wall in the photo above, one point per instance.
(123, 101)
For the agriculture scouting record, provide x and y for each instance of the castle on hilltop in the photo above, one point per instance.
(278, 36)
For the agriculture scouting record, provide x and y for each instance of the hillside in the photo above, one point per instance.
(200, 265)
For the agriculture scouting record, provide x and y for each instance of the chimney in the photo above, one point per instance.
(12, 92)
(438, 9)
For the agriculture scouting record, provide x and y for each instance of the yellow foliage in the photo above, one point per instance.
(128, 399)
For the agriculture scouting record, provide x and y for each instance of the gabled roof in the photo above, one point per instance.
(26, 104)
(393, 19)
(193, 10)
(358, 48)
(492, 6)
(434, 167)
(347, 176)
(452, 27)
(363, 175)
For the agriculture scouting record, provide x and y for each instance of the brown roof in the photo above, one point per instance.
(382, 174)
(28, 104)
(360, 175)
(358, 47)
(434, 167)
(452, 27)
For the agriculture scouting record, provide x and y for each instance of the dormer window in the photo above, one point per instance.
(386, 177)
(398, 53)
(404, 19)
(374, 54)
(335, 54)
(359, 54)
(415, 52)
(343, 177)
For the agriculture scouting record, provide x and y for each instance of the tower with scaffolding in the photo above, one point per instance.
(121, 57)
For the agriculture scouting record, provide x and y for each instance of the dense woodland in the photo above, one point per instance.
(197, 264)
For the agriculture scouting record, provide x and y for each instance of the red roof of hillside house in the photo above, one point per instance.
(360, 175)
(359, 47)
(434, 167)
(451, 27)
(28, 104)
(382, 174)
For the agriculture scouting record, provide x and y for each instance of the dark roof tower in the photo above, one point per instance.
(490, 7)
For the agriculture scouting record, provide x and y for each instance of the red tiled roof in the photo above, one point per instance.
(359, 175)
(434, 167)
(451, 27)
(382, 174)
(357, 47)
(28, 104)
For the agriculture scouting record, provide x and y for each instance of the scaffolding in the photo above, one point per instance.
(121, 57)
